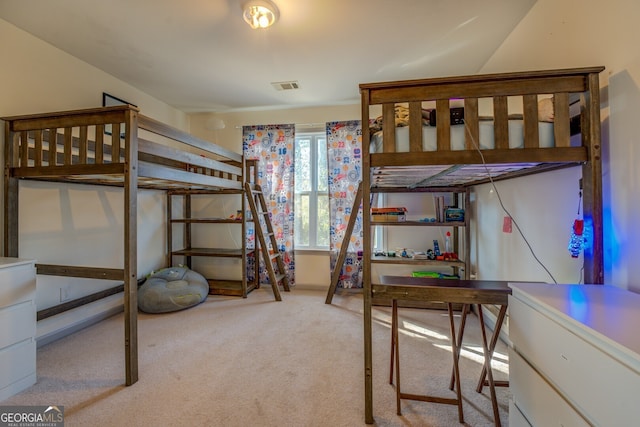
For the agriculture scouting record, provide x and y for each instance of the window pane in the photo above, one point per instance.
(323, 178)
(301, 221)
(323, 220)
(303, 164)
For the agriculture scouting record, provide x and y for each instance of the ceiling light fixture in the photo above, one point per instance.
(260, 13)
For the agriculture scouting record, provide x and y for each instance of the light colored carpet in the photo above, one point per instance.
(258, 362)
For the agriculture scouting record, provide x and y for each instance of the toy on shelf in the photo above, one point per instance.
(454, 215)
(434, 274)
(436, 248)
(237, 216)
(448, 254)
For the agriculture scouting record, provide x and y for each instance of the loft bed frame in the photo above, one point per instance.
(468, 165)
(114, 146)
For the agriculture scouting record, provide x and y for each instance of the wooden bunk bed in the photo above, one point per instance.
(113, 146)
(444, 161)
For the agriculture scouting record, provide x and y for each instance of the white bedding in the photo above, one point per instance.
(429, 143)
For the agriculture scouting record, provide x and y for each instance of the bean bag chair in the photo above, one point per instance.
(172, 289)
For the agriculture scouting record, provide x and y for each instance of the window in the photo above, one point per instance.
(379, 233)
(311, 192)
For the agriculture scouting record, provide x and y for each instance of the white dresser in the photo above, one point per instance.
(17, 325)
(575, 355)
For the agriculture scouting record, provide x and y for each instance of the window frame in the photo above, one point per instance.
(312, 194)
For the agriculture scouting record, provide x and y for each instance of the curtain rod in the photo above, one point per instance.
(295, 124)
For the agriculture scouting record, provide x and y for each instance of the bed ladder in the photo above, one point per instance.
(342, 255)
(276, 270)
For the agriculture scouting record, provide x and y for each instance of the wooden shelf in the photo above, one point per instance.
(183, 224)
(229, 287)
(420, 223)
(211, 252)
(206, 221)
(378, 259)
(187, 191)
(430, 305)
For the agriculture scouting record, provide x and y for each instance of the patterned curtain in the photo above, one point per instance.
(344, 146)
(273, 146)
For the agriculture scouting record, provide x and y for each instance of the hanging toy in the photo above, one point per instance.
(577, 240)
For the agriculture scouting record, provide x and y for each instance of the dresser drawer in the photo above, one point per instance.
(17, 362)
(597, 385)
(18, 323)
(17, 284)
(535, 400)
(516, 418)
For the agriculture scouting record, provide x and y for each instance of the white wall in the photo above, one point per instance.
(206, 125)
(544, 208)
(564, 34)
(75, 225)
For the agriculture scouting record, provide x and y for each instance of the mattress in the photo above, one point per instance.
(486, 134)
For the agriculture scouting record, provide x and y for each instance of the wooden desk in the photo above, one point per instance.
(449, 291)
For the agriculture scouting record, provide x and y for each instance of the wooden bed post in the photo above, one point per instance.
(366, 265)
(130, 247)
(10, 196)
(592, 180)
(169, 258)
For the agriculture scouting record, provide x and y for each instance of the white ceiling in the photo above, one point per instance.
(199, 55)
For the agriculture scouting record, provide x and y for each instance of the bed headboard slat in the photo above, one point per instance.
(443, 124)
(389, 132)
(37, 156)
(501, 122)
(530, 113)
(415, 126)
(99, 144)
(84, 144)
(561, 126)
(472, 124)
(68, 146)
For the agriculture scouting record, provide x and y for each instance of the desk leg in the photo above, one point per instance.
(456, 370)
(395, 355)
(463, 320)
(394, 320)
(487, 367)
(394, 337)
(492, 346)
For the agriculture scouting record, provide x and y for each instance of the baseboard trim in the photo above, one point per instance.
(75, 326)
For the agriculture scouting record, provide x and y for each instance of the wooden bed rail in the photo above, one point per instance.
(94, 142)
(475, 91)
(167, 131)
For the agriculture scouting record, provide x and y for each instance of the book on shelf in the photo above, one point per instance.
(391, 214)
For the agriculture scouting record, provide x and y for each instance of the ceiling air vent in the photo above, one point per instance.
(291, 85)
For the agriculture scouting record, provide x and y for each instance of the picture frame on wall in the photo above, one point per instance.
(109, 101)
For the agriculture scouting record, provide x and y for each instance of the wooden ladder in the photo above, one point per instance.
(277, 272)
(342, 255)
